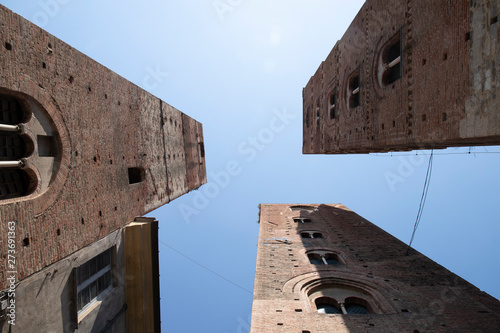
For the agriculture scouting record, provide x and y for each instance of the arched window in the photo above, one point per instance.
(302, 220)
(390, 61)
(353, 90)
(311, 234)
(327, 305)
(330, 299)
(324, 258)
(29, 146)
(13, 183)
(332, 106)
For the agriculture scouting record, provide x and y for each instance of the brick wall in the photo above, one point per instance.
(105, 126)
(408, 293)
(446, 96)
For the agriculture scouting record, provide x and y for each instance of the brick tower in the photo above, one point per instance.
(82, 150)
(408, 75)
(323, 268)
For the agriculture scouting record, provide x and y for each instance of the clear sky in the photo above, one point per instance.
(239, 66)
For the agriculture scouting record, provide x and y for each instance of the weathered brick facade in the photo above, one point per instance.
(408, 75)
(117, 152)
(364, 266)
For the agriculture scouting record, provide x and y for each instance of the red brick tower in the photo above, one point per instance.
(408, 75)
(323, 268)
(82, 150)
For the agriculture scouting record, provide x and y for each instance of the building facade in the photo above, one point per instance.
(83, 152)
(323, 268)
(408, 75)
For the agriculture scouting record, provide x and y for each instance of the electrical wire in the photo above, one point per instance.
(425, 191)
(206, 268)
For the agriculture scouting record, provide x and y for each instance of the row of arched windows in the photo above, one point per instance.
(14, 146)
(388, 72)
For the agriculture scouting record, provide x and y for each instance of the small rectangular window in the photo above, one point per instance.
(135, 175)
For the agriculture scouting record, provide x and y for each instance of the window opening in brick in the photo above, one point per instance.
(302, 220)
(12, 147)
(391, 61)
(311, 234)
(327, 305)
(322, 258)
(47, 146)
(8, 46)
(135, 175)
(353, 90)
(315, 259)
(13, 183)
(354, 305)
(11, 111)
(332, 106)
(93, 279)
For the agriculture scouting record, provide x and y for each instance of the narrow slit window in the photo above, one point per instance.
(332, 106)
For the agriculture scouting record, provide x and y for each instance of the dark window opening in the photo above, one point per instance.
(202, 149)
(353, 91)
(47, 146)
(135, 175)
(305, 235)
(391, 59)
(331, 259)
(11, 111)
(332, 106)
(308, 116)
(12, 147)
(317, 235)
(315, 259)
(327, 305)
(13, 183)
(356, 309)
(302, 220)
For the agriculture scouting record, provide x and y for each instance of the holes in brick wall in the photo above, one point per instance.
(404, 310)
(424, 117)
(83, 221)
(445, 116)
(306, 331)
(8, 46)
(298, 310)
(100, 213)
(280, 324)
(445, 56)
(95, 159)
(424, 61)
(483, 311)
(76, 153)
(89, 89)
(467, 36)
(494, 20)
(71, 79)
(382, 126)
(44, 65)
(393, 123)
(26, 241)
(58, 231)
(279, 310)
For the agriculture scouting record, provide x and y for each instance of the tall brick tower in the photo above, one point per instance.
(408, 75)
(323, 268)
(82, 150)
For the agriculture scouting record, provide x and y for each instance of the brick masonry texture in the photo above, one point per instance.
(105, 125)
(448, 91)
(409, 293)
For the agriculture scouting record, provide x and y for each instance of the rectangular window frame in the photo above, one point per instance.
(105, 274)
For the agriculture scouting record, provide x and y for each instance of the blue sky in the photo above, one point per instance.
(239, 67)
